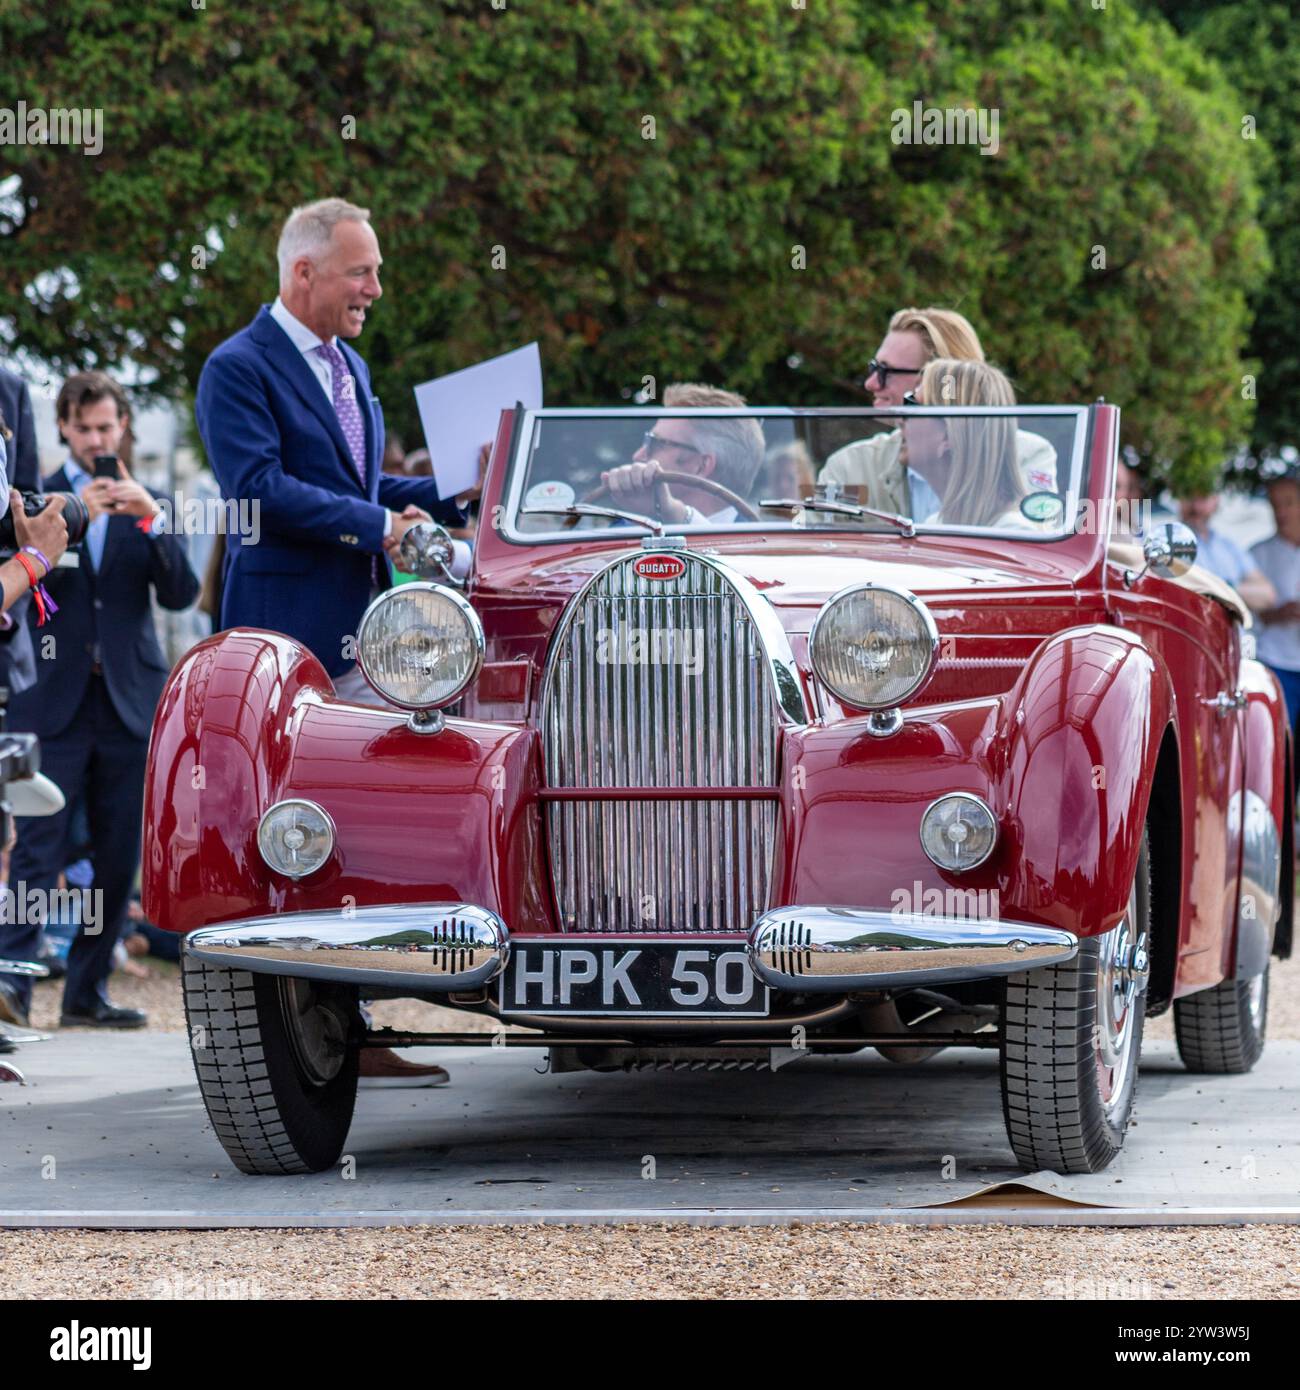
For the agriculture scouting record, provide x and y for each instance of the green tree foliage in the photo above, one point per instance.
(679, 190)
(1257, 43)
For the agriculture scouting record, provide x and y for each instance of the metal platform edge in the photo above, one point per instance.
(984, 1215)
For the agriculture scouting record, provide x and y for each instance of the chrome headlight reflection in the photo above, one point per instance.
(872, 646)
(295, 837)
(420, 645)
(958, 832)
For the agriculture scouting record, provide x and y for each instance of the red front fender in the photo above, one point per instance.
(1078, 739)
(1064, 760)
(249, 718)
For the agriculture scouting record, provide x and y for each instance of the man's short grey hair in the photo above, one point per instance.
(736, 444)
(308, 229)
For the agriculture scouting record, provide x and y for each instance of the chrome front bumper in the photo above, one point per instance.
(454, 947)
(836, 949)
(425, 946)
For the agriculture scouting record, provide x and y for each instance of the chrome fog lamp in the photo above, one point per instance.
(873, 646)
(295, 837)
(958, 832)
(420, 645)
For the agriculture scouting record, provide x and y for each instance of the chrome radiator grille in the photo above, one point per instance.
(660, 684)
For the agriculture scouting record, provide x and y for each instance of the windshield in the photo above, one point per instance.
(1013, 471)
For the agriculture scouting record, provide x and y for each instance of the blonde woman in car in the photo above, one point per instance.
(878, 466)
(969, 462)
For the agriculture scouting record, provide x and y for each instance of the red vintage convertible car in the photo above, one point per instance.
(781, 770)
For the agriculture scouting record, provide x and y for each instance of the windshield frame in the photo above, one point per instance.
(525, 425)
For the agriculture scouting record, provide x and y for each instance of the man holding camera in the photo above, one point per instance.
(99, 674)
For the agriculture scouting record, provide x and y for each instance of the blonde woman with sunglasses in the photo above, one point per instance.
(878, 466)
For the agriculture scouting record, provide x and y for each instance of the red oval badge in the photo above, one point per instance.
(659, 567)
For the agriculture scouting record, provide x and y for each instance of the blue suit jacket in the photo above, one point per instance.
(16, 407)
(110, 606)
(274, 439)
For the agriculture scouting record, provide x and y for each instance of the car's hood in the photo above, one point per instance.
(800, 573)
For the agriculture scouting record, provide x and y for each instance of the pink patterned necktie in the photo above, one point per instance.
(346, 407)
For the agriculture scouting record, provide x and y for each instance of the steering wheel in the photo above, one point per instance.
(690, 479)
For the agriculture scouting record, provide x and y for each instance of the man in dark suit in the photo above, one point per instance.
(290, 423)
(16, 408)
(99, 674)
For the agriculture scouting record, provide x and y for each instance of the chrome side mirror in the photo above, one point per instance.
(427, 551)
(1169, 551)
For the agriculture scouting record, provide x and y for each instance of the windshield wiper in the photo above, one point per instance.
(832, 505)
(587, 509)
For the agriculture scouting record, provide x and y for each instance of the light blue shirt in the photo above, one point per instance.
(97, 531)
(1222, 555)
(1278, 644)
(925, 500)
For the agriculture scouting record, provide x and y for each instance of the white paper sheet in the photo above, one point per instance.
(460, 412)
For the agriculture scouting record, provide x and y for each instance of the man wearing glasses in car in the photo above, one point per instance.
(723, 450)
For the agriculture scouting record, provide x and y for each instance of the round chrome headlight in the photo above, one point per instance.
(420, 645)
(295, 837)
(958, 831)
(872, 646)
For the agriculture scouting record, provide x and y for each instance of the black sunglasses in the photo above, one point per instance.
(651, 441)
(884, 371)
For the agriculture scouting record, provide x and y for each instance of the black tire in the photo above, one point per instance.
(279, 1093)
(1222, 1030)
(1070, 1048)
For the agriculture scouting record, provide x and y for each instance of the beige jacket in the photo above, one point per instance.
(877, 464)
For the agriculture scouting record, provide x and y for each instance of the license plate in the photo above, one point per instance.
(645, 979)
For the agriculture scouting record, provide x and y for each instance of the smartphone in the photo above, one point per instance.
(106, 466)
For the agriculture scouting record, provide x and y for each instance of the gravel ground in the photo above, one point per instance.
(840, 1261)
(810, 1261)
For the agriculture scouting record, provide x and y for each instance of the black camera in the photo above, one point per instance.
(74, 513)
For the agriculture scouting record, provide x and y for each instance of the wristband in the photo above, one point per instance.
(45, 605)
(32, 550)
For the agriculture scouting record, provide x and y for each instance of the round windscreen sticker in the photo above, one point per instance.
(1043, 506)
(549, 494)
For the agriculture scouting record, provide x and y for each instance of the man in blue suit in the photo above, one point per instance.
(290, 425)
(99, 675)
(16, 410)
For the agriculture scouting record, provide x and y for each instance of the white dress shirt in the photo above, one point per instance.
(306, 342)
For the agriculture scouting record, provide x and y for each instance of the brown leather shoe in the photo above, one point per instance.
(11, 1011)
(382, 1067)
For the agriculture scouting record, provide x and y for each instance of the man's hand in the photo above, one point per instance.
(47, 530)
(410, 516)
(98, 497)
(130, 498)
(120, 496)
(635, 487)
(1288, 612)
(472, 494)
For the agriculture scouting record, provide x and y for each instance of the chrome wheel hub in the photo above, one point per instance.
(1123, 968)
(1256, 999)
(317, 1030)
